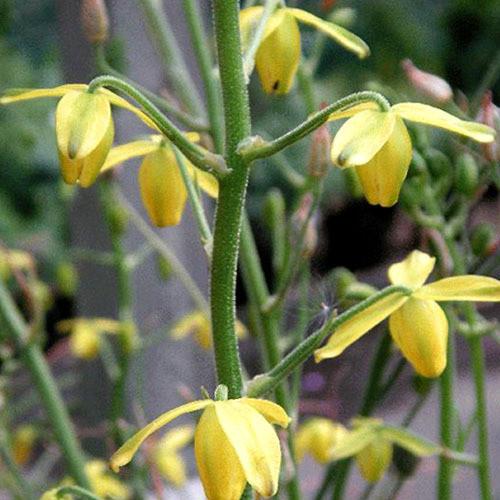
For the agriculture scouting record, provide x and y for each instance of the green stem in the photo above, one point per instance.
(173, 62)
(201, 47)
(181, 116)
(258, 148)
(47, 388)
(22, 486)
(199, 156)
(232, 192)
(164, 250)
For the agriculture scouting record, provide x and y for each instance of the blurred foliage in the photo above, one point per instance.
(31, 202)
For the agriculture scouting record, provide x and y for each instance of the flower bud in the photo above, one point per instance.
(95, 22)
(467, 175)
(489, 114)
(66, 278)
(374, 459)
(343, 16)
(428, 84)
(23, 441)
(274, 209)
(164, 268)
(303, 216)
(482, 239)
(439, 164)
(319, 156)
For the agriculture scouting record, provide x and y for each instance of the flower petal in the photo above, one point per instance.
(278, 56)
(416, 445)
(171, 466)
(17, 95)
(126, 452)
(219, 467)
(205, 180)
(374, 459)
(272, 412)
(413, 270)
(470, 287)
(353, 109)
(255, 442)
(353, 442)
(124, 152)
(383, 176)
(162, 188)
(342, 36)
(249, 18)
(420, 330)
(355, 327)
(176, 438)
(423, 113)
(361, 137)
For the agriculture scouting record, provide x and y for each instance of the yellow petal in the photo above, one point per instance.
(413, 270)
(374, 459)
(171, 466)
(126, 452)
(361, 137)
(278, 56)
(176, 438)
(218, 465)
(471, 287)
(355, 327)
(104, 484)
(85, 342)
(420, 330)
(249, 19)
(353, 442)
(342, 36)
(255, 442)
(353, 109)
(205, 180)
(272, 412)
(120, 154)
(23, 440)
(422, 113)
(382, 177)
(162, 188)
(17, 95)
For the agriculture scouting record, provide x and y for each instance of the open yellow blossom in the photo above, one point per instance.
(318, 437)
(166, 454)
(85, 334)
(377, 144)
(160, 180)
(84, 127)
(372, 442)
(234, 443)
(197, 323)
(23, 441)
(417, 323)
(278, 55)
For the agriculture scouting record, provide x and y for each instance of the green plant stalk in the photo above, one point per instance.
(164, 250)
(186, 119)
(196, 204)
(171, 56)
(232, 191)
(254, 148)
(46, 386)
(22, 486)
(199, 156)
(203, 55)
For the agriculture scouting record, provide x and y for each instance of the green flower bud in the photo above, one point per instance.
(483, 235)
(467, 175)
(439, 164)
(66, 278)
(274, 209)
(164, 268)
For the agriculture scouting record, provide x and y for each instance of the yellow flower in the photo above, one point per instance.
(84, 127)
(234, 443)
(160, 180)
(166, 454)
(417, 323)
(318, 437)
(278, 55)
(85, 334)
(23, 440)
(372, 442)
(103, 483)
(378, 145)
(197, 323)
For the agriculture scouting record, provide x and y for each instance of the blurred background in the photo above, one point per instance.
(41, 45)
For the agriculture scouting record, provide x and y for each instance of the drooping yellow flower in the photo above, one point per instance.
(85, 334)
(234, 443)
(377, 144)
(103, 483)
(318, 437)
(417, 323)
(278, 55)
(23, 441)
(197, 323)
(84, 127)
(166, 454)
(372, 442)
(160, 180)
